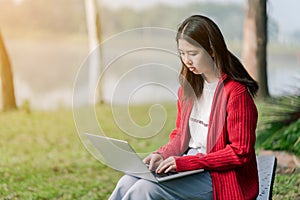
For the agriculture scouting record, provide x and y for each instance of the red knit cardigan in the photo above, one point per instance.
(230, 154)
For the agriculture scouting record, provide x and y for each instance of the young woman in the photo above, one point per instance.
(215, 125)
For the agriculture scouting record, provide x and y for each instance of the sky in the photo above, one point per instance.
(285, 12)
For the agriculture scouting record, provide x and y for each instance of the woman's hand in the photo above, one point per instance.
(168, 165)
(153, 160)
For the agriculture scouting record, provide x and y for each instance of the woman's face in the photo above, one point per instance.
(196, 58)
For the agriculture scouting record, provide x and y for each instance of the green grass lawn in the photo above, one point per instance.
(42, 156)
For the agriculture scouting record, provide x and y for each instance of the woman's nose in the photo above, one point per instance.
(187, 60)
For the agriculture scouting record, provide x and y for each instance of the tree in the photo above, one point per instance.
(95, 58)
(254, 53)
(6, 76)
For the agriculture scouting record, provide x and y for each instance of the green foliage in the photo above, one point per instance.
(68, 17)
(25, 106)
(156, 15)
(279, 125)
(286, 187)
(43, 158)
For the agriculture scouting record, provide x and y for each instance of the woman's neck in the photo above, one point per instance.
(210, 78)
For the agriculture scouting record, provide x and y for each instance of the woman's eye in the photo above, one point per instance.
(189, 54)
(192, 54)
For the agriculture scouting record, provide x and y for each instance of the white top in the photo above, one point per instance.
(199, 117)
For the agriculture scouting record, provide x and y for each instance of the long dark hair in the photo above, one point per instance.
(200, 30)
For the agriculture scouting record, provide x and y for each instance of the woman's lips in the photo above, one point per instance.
(192, 69)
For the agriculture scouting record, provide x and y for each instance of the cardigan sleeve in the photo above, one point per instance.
(240, 135)
(173, 147)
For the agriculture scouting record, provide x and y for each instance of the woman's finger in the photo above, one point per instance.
(147, 159)
(170, 168)
(163, 167)
(154, 161)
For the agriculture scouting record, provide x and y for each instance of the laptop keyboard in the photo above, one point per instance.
(160, 175)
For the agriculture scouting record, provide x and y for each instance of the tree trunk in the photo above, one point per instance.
(6, 76)
(254, 54)
(95, 57)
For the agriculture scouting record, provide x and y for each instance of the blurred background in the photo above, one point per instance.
(49, 46)
(47, 41)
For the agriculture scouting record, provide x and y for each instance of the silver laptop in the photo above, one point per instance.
(119, 155)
